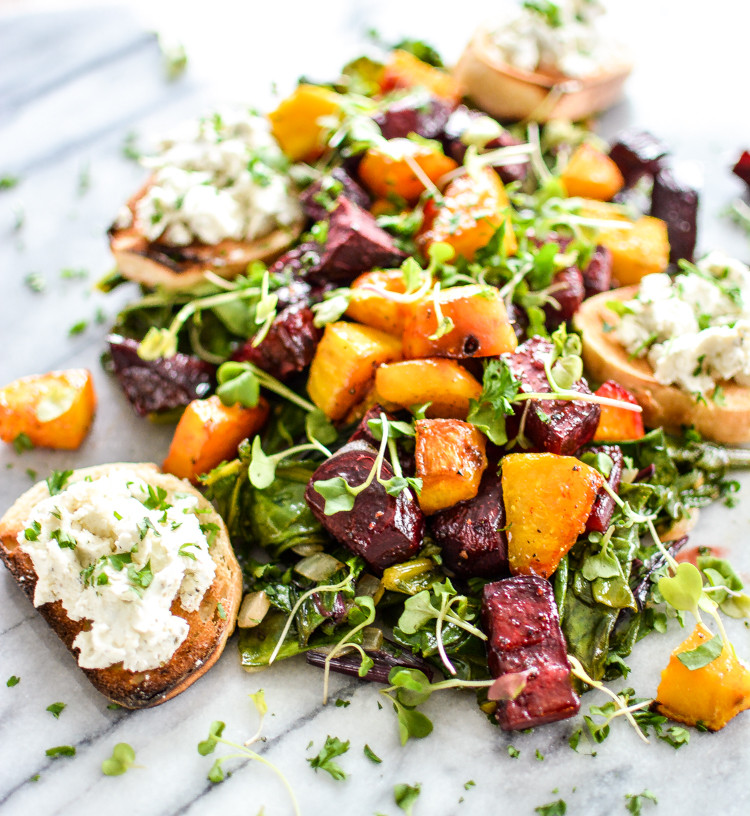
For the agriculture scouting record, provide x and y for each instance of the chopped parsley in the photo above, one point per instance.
(57, 481)
(23, 443)
(55, 709)
(61, 751)
(221, 611)
(371, 755)
(13, 680)
(324, 759)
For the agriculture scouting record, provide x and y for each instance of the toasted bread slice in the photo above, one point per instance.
(208, 631)
(507, 92)
(666, 405)
(156, 264)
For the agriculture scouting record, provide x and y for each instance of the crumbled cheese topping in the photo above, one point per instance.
(693, 329)
(560, 37)
(218, 177)
(118, 554)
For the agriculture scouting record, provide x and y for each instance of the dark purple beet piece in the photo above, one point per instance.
(555, 426)
(597, 276)
(567, 291)
(288, 347)
(321, 197)
(152, 386)
(520, 619)
(471, 532)
(382, 529)
(742, 168)
(301, 262)
(604, 504)
(356, 244)
(459, 121)
(416, 113)
(675, 201)
(637, 153)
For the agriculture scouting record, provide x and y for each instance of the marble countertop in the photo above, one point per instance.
(74, 83)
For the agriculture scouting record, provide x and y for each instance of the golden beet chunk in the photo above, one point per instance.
(591, 174)
(710, 695)
(450, 457)
(471, 210)
(297, 125)
(638, 250)
(479, 325)
(208, 433)
(404, 70)
(53, 410)
(343, 368)
(388, 170)
(444, 383)
(548, 499)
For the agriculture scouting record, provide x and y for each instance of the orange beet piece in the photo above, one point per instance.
(472, 208)
(208, 433)
(444, 383)
(450, 457)
(592, 174)
(296, 121)
(617, 424)
(54, 410)
(548, 499)
(481, 327)
(404, 70)
(710, 695)
(387, 170)
(378, 310)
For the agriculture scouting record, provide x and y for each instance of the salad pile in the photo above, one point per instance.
(393, 418)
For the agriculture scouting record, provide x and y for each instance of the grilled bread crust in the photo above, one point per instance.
(208, 631)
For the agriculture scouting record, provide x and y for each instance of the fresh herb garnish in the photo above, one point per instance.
(558, 808)
(13, 680)
(57, 481)
(323, 760)
(405, 796)
(61, 751)
(22, 443)
(123, 757)
(55, 709)
(371, 755)
(634, 801)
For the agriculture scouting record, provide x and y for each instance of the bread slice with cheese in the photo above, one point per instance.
(209, 626)
(182, 267)
(663, 405)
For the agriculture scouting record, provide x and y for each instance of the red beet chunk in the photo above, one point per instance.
(457, 124)
(597, 276)
(301, 262)
(322, 196)
(637, 153)
(555, 426)
(416, 113)
(604, 504)
(152, 386)
(676, 202)
(471, 532)
(520, 619)
(382, 529)
(356, 244)
(742, 168)
(567, 292)
(288, 347)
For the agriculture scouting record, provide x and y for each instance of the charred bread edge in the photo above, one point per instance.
(208, 632)
(156, 264)
(663, 405)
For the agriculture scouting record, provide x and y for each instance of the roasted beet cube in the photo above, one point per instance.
(301, 262)
(415, 113)
(471, 532)
(554, 426)
(566, 291)
(742, 168)
(459, 121)
(675, 201)
(159, 385)
(604, 504)
(637, 153)
(289, 345)
(597, 276)
(381, 528)
(321, 197)
(520, 619)
(356, 244)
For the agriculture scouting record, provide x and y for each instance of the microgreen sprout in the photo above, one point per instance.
(123, 757)
(265, 311)
(215, 736)
(262, 468)
(323, 760)
(445, 324)
(364, 604)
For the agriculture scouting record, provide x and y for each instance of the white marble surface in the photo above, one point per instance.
(73, 83)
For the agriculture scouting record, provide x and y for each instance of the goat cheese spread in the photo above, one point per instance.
(693, 329)
(557, 37)
(219, 177)
(117, 552)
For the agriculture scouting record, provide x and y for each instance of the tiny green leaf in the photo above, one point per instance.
(371, 755)
(337, 494)
(208, 745)
(13, 680)
(259, 701)
(634, 801)
(405, 796)
(319, 427)
(216, 774)
(702, 655)
(262, 468)
(55, 709)
(558, 808)
(332, 748)
(61, 751)
(684, 589)
(123, 756)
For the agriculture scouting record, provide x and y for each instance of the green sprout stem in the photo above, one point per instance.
(345, 644)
